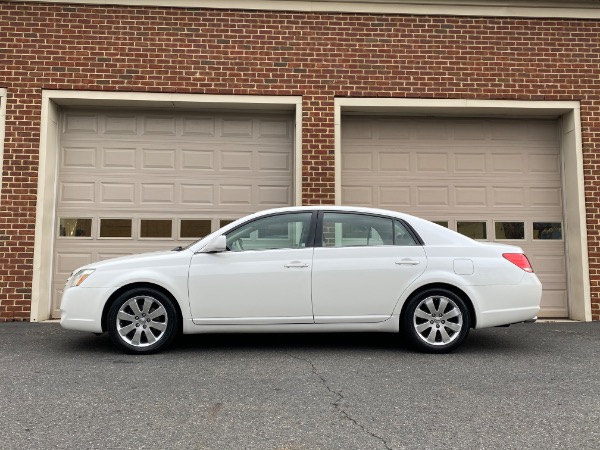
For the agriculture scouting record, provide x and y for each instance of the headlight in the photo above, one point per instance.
(79, 277)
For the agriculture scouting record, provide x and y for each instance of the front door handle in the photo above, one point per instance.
(407, 262)
(296, 265)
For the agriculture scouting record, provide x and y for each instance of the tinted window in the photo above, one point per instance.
(273, 232)
(401, 235)
(356, 230)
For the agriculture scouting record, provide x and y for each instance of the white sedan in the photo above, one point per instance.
(308, 269)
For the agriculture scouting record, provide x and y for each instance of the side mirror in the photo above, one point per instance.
(219, 244)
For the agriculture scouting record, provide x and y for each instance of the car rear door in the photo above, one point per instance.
(361, 265)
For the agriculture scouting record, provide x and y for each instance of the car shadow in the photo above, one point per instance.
(489, 341)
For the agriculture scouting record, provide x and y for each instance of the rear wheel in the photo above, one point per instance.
(142, 320)
(436, 321)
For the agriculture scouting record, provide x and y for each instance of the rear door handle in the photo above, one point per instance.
(296, 265)
(407, 262)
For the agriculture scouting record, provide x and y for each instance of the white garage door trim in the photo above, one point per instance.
(48, 168)
(572, 157)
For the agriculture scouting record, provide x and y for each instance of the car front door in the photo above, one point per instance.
(361, 265)
(263, 278)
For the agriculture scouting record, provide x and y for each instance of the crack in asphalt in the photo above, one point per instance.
(336, 403)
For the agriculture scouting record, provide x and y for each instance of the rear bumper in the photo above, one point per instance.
(503, 305)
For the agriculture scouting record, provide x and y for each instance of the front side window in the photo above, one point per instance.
(356, 230)
(273, 232)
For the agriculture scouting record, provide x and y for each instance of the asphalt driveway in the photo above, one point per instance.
(528, 386)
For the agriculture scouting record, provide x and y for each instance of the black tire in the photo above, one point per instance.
(436, 321)
(142, 321)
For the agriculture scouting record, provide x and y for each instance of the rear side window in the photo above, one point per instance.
(356, 230)
(401, 235)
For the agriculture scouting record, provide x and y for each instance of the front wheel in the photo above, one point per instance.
(436, 321)
(142, 320)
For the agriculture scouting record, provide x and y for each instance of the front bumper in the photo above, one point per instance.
(81, 308)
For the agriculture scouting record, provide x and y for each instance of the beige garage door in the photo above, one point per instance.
(131, 182)
(491, 179)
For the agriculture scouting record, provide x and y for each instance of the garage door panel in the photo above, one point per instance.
(432, 162)
(154, 158)
(273, 196)
(197, 160)
(358, 195)
(471, 196)
(394, 162)
(394, 197)
(117, 193)
(76, 192)
(133, 178)
(154, 193)
(232, 160)
(431, 130)
(544, 164)
(432, 195)
(465, 170)
(471, 163)
(157, 125)
(275, 129)
(472, 130)
(508, 163)
(274, 161)
(78, 157)
(513, 197)
(198, 126)
(67, 262)
(120, 124)
(546, 197)
(77, 124)
(197, 194)
(118, 158)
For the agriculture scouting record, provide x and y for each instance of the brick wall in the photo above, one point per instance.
(318, 56)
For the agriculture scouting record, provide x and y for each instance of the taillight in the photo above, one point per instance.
(519, 260)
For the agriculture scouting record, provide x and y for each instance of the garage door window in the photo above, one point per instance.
(510, 230)
(547, 230)
(157, 229)
(71, 227)
(474, 230)
(115, 228)
(194, 229)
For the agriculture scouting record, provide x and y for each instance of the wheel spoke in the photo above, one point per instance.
(422, 314)
(147, 304)
(445, 337)
(452, 313)
(149, 336)
(160, 311)
(158, 326)
(453, 326)
(423, 327)
(137, 337)
(432, 335)
(133, 304)
(430, 306)
(126, 330)
(443, 304)
(124, 316)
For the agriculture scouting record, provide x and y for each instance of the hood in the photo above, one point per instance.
(142, 258)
